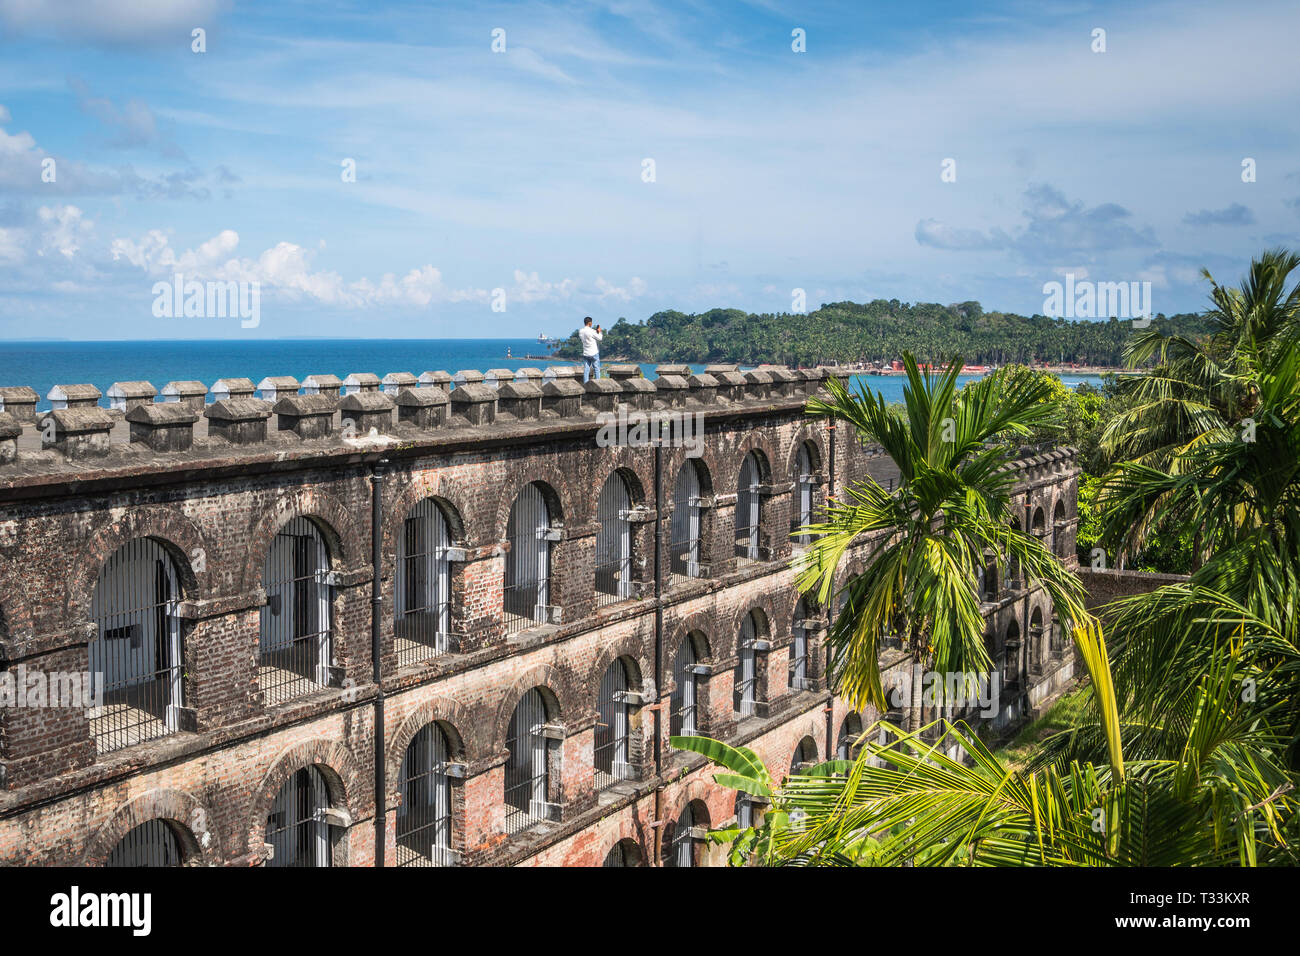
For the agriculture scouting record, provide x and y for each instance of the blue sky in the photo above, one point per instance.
(523, 170)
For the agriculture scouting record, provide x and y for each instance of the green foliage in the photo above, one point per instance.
(874, 331)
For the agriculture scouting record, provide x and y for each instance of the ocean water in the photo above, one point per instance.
(42, 365)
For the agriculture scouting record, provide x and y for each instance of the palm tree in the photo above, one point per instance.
(928, 538)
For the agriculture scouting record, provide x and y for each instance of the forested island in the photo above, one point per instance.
(877, 331)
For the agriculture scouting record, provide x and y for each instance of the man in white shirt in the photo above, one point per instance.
(590, 349)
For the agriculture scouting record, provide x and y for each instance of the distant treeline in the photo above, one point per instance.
(878, 331)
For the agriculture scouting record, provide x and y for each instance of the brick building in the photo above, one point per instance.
(428, 621)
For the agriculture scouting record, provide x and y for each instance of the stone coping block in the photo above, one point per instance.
(241, 421)
(476, 402)
(360, 382)
(166, 427)
(19, 401)
(321, 385)
(678, 371)
(308, 416)
(554, 373)
(125, 396)
(521, 399)
(422, 407)
(224, 388)
(495, 376)
(439, 379)
(723, 367)
(10, 427)
(74, 396)
(78, 432)
(394, 382)
(275, 387)
(528, 390)
(193, 394)
(528, 375)
(623, 371)
(367, 402)
(563, 388)
(729, 377)
(467, 376)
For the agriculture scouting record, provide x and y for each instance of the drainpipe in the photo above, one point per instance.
(659, 625)
(376, 610)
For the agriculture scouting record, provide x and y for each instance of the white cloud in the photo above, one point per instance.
(140, 21)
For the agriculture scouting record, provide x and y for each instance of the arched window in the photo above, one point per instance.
(847, 743)
(1059, 637)
(623, 853)
(422, 591)
(135, 658)
(987, 579)
(1059, 525)
(748, 508)
(805, 756)
(687, 675)
(1013, 564)
(686, 844)
(528, 563)
(530, 741)
(152, 843)
(297, 827)
(806, 485)
(1011, 656)
(613, 738)
(294, 645)
(424, 817)
(613, 542)
(798, 676)
(746, 690)
(1038, 527)
(1036, 640)
(687, 521)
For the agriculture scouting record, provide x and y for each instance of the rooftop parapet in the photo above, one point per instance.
(307, 416)
(758, 383)
(10, 430)
(811, 378)
(394, 382)
(621, 371)
(474, 403)
(191, 394)
(276, 387)
(562, 398)
(367, 411)
(438, 379)
(677, 371)
(671, 388)
(425, 408)
(638, 392)
(125, 396)
(164, 427)
(786, 383)
(519, 400)
(322, 385)
(74, 396)
(358, 382)
(731, 383)
(224, 388)
(496, 376)
(20, 402)
(240, 421)
(467, 376)
(76, 432)
(529, 375)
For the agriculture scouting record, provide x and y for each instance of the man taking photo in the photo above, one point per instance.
(590, 349)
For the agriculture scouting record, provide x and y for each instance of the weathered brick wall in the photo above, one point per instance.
(63, 803)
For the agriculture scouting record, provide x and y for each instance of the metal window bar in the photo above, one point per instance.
(135, 659)
(804, 468)
(422, 604)
(684, 549)
(612, 750)
(613, 543)
(152, 843)
(623, 853)
(528, 565)
(744, 810)
(294, 643)
(746, 669)
(683, 701)
(296, 828)
(798, 677)
(682, 847)
(527, 782)
(846, 743)
(424, 818)
(747, 509)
